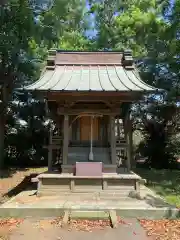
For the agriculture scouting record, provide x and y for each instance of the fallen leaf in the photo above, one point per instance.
(121, 221)
(164, 229)
(85, 225)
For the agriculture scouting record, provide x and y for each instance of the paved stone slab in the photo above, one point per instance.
(28, 204)
(66, 218)
(113, 218)
(29, 230)
(89, 215)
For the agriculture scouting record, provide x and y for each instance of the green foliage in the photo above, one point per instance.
(29, 29)
(75, 41)
(26, 131)
(164, 183)
(15, 33)
(151, 30)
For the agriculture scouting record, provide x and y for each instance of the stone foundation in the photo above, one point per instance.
(55, 184)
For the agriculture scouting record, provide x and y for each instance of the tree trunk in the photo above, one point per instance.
(3, 109)
(2, 137)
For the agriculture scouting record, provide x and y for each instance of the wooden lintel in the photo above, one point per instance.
(88, 111)
(94, 100)
(94, 93)
(105, 96)
(113, 99)
(91, 105)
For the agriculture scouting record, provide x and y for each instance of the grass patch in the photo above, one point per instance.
(166, 183)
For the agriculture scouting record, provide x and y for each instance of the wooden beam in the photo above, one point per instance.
(65, 139)
(94, 93)
(96, 99)
(72, 103)
(113, 140)
(88, 111)
(89, 96)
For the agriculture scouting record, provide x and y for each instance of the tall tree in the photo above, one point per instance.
(29, 29)
(17, 29)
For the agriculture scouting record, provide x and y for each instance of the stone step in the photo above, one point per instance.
(89, 214)
(104, 205)
(106, 193)
(108, 198)
(90, 194)
(100, 194)
(93, 215)
(123, 211)
(92, 198)
(113, 198)
(84, 192)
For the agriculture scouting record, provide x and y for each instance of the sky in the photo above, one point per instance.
(92, 32)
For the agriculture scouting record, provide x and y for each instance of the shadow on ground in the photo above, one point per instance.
(26, 184)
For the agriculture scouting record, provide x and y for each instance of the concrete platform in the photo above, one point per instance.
(27, 204)
(54, 184)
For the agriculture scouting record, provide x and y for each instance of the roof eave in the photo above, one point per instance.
(90, 90)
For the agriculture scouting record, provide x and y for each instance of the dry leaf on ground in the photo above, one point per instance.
(162, 229)
(83, 225)
(89, 225)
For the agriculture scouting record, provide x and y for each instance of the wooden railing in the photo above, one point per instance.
(56, 140)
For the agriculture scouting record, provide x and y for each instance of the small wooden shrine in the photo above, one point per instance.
(89, 95)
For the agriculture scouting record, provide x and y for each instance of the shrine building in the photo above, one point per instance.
(89, 96)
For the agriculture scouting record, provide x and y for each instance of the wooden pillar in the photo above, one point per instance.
(50, 152)
(65, 139)
(113, 140)
(128, 137)
(132, 164)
